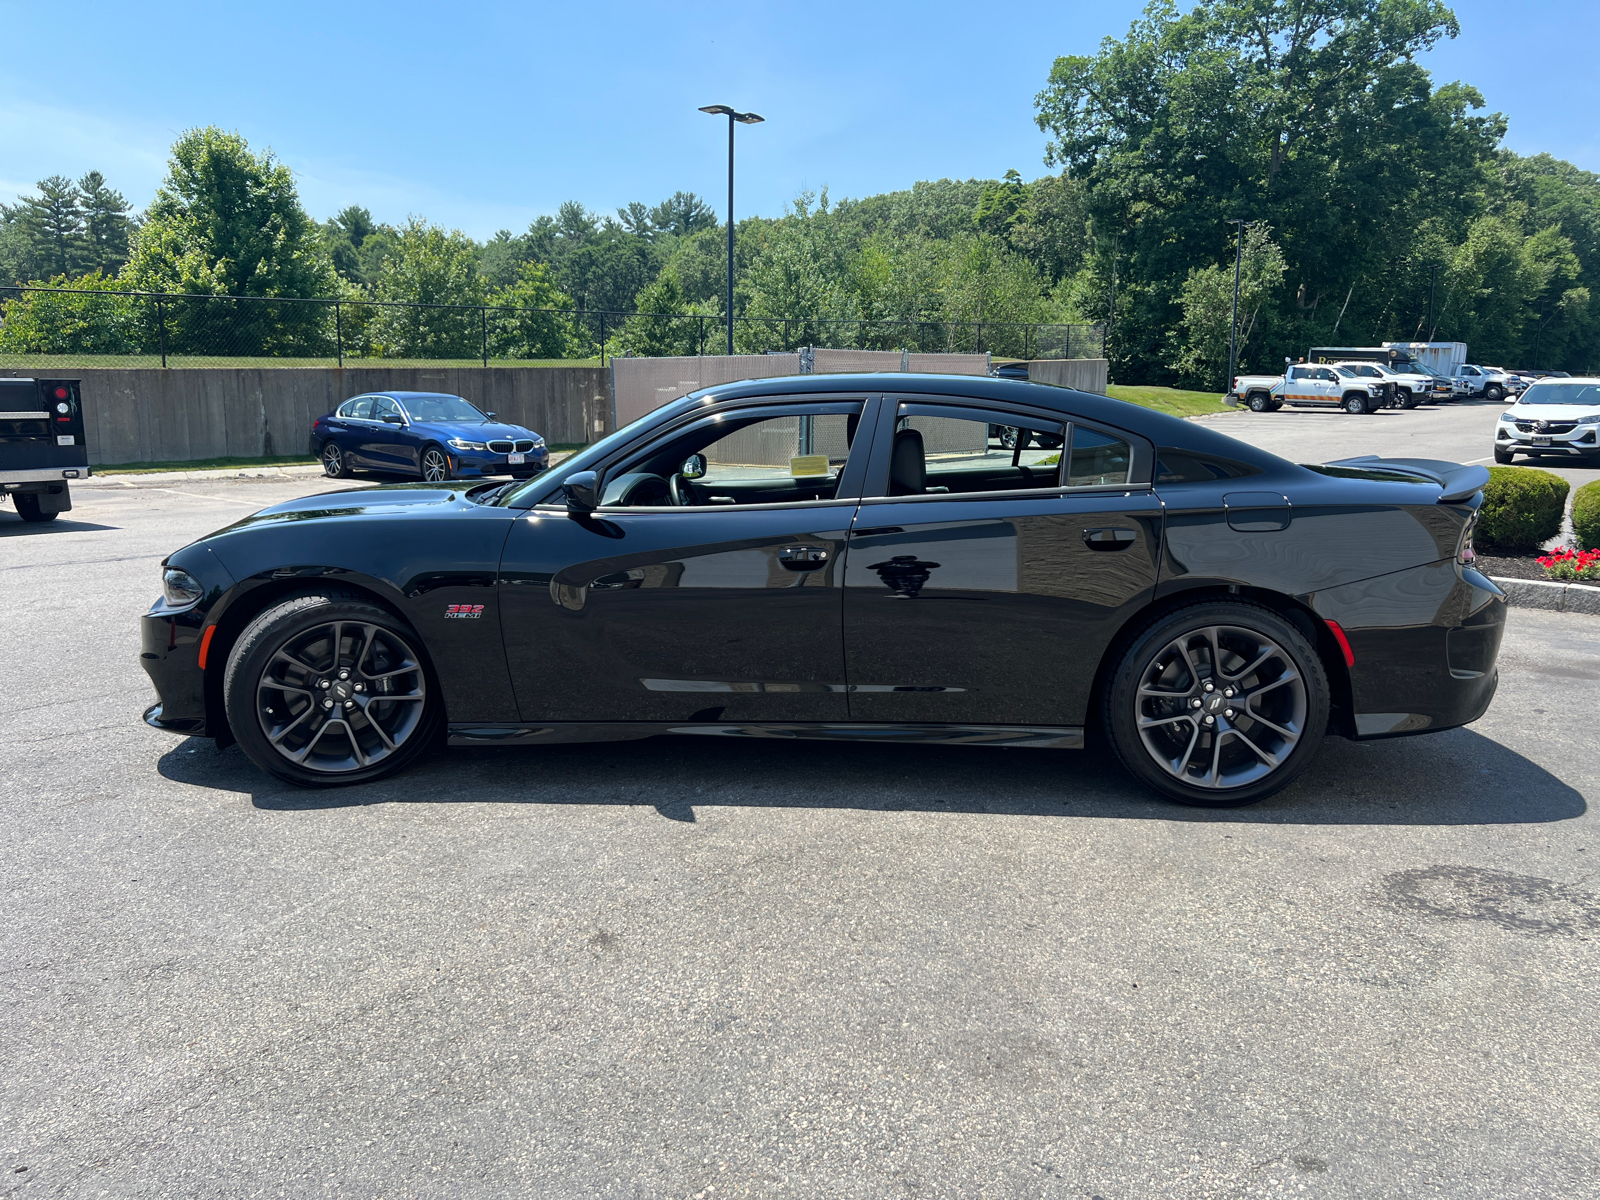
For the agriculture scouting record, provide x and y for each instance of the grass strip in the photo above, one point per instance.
(1174, 401)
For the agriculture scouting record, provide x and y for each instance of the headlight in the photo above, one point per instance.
(463, 444)
(180, 588)
(537, 441)
(1591, 419)
(1505, 416)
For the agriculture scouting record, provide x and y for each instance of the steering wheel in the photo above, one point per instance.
(682, 494)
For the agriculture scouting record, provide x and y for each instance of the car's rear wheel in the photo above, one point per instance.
(334, 463)
(1217, 705)
(29, 508)
(328, 688)
(1010, 436)
(435, 464)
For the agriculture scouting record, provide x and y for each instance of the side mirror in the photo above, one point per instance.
(393, 419)
(488, 416)
(582, 491)
(694, 467)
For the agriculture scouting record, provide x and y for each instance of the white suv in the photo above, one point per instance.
(1559, 417)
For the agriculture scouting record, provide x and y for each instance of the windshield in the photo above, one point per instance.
(1549, 392)
(441, 408)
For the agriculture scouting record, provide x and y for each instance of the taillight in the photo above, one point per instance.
(1465, 555)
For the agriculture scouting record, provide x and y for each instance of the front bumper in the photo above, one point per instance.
(471, 464)
(169, 648)
(1578, 442)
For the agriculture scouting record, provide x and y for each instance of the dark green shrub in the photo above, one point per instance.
(1586, 516)
(1522, 509)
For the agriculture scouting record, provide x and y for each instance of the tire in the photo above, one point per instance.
(376, 717)
(335, 465)
(1260, 402)
(1149, 715)
(1503, 457)
(1405, 399)
(1356, 404)
(1494, 392)
(434, 463)
(28, 508)
(1010, 435)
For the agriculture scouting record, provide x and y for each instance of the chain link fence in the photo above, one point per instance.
(57, 327)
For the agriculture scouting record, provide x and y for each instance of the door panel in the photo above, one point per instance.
(993, 610)
(699, 614)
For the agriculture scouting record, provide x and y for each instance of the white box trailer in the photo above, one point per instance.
(1442, 358)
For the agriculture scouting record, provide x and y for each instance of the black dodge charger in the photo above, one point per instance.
(871, 557)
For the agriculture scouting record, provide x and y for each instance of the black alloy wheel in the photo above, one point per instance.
(327, 689)
(334, 463)
(1217, 705)
(29, 509)
(1260, 403)
(1405, 398)
(435, 465)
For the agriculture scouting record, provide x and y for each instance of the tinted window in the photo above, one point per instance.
(1098, 459)
(812, 448)
(1546, 392)
(1176, 465)
(977, 451)
(358, 409)
(384, 407)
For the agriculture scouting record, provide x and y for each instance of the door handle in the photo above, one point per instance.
(803, 558)
(1109, 539)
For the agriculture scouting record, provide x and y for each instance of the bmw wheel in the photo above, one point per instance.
(1010, 436)
(334, 463)
(327, 689)
(435, 465)
(1217, 705)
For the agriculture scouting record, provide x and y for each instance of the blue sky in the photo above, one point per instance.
(484, 115)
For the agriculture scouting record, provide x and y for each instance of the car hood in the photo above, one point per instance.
(356, 502)
(1551, 412)
(470, 431)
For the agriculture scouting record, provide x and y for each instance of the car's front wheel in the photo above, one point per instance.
(1503, 457)
(1355, 403)
(435, 465)
(328, 688)
(1217, 705)
(1494, 392)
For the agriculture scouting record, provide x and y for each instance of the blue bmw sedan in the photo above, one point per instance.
(430, 434)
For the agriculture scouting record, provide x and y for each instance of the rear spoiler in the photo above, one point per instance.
(1456, 482)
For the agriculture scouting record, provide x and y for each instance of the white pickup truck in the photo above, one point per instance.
(1311, 385)
(1489, 382)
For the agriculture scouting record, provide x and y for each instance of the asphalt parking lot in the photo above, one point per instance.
(704, 968)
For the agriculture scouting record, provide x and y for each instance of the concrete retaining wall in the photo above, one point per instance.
(181, 415)
(1085, 374)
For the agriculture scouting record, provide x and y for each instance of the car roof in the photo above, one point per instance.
(410, 395)
(1158, 427)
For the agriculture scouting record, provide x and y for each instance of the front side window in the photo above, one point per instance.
(735, 459)
(384, 407)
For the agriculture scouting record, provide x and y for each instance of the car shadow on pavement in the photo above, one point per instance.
(14, 526)
(1454, 778)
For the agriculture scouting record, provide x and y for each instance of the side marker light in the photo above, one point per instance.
(1344, 643)
(205, 645)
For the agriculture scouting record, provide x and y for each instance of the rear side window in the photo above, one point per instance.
(1177, 465)
(1098, 459)
(358, 409)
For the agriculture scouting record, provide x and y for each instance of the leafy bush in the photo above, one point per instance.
(70, 323)
(1586, 516)
(1522, 509)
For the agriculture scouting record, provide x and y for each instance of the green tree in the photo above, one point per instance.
(344, 235)
(669, 324)
(431, 267)
(1200, 351)
(51, 226)
(518, 326)
(51, 323)
(1000, 203)
(682, 214)
(107, 224)
(799, 288)
(228, 222)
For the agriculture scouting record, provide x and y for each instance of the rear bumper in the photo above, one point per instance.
(1426, 641)
(9, 479)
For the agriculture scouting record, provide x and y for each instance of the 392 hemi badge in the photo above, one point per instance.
(463, 612)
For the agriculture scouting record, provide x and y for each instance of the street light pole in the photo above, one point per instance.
(1233, 324)
(719, 110)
